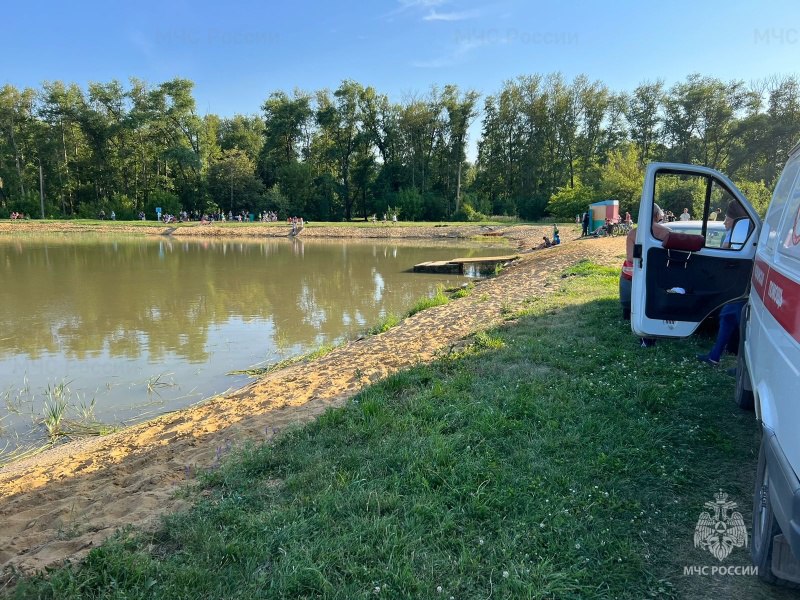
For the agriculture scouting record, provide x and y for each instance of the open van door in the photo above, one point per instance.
(684, 270)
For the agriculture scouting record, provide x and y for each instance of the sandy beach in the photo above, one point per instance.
(63, 502)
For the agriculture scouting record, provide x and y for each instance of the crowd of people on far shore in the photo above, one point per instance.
(266, 216)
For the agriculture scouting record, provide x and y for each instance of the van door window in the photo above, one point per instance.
(695, 204)
(769, 232)
(789, 232)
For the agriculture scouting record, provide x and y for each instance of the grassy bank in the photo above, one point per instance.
(550, 458)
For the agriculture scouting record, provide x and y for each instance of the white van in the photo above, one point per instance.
(679, 280)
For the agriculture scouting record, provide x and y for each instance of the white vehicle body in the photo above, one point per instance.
(762, 266)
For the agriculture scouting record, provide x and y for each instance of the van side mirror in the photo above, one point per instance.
(740, 233)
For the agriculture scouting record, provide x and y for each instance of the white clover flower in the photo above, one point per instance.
(505, 574)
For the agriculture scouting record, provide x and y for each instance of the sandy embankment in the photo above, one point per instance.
(271, 230)
(61, 503)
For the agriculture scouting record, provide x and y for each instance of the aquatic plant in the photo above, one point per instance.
(154, 383)
(53, 415)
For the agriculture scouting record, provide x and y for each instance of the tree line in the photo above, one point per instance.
(547, 146)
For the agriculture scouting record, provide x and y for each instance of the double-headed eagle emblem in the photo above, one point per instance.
(721, 533)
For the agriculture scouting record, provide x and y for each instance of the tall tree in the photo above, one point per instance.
(644, 115)
(339, 117)
(286, 138)
(460, 112)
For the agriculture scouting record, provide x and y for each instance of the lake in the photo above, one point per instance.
(122, 329)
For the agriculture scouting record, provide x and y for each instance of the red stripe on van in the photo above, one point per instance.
(782, 298)
(759, 278)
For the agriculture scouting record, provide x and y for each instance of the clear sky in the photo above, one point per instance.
(239, 52)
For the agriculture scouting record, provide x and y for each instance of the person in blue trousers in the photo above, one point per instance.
(729, 318)
(731, 314)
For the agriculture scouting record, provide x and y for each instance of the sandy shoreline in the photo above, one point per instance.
(261, 230)
(61, 503)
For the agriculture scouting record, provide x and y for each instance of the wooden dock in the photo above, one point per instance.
(460, 265)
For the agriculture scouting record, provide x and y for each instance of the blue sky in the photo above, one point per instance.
(239, 52)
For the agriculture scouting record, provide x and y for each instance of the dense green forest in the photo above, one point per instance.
(546, 146)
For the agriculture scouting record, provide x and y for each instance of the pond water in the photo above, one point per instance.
(121, 329)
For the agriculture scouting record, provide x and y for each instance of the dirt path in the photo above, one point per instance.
(61, 503)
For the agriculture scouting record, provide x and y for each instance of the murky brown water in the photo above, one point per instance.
(144, 326)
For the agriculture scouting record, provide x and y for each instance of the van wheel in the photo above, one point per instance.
(765, 527)
(742, 396)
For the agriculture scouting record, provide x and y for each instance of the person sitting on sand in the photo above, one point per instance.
(545, 244)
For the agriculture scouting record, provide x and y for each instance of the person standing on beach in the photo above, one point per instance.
(585, 224)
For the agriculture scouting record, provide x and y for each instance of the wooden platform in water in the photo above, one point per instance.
(485, 259)
(457, 265)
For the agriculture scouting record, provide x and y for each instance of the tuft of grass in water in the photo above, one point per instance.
(60, 417)
(547, 465)
(55, 408)
(282, 343)
(155, 383)
(86, 411)
(56, 420)
(53, 414)
(439, 298)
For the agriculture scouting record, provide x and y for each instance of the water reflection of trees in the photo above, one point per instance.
(160, 297)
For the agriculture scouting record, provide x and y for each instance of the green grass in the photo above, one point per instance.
(385, 324)
(552, 458)
(461, 292)
(437, 299)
